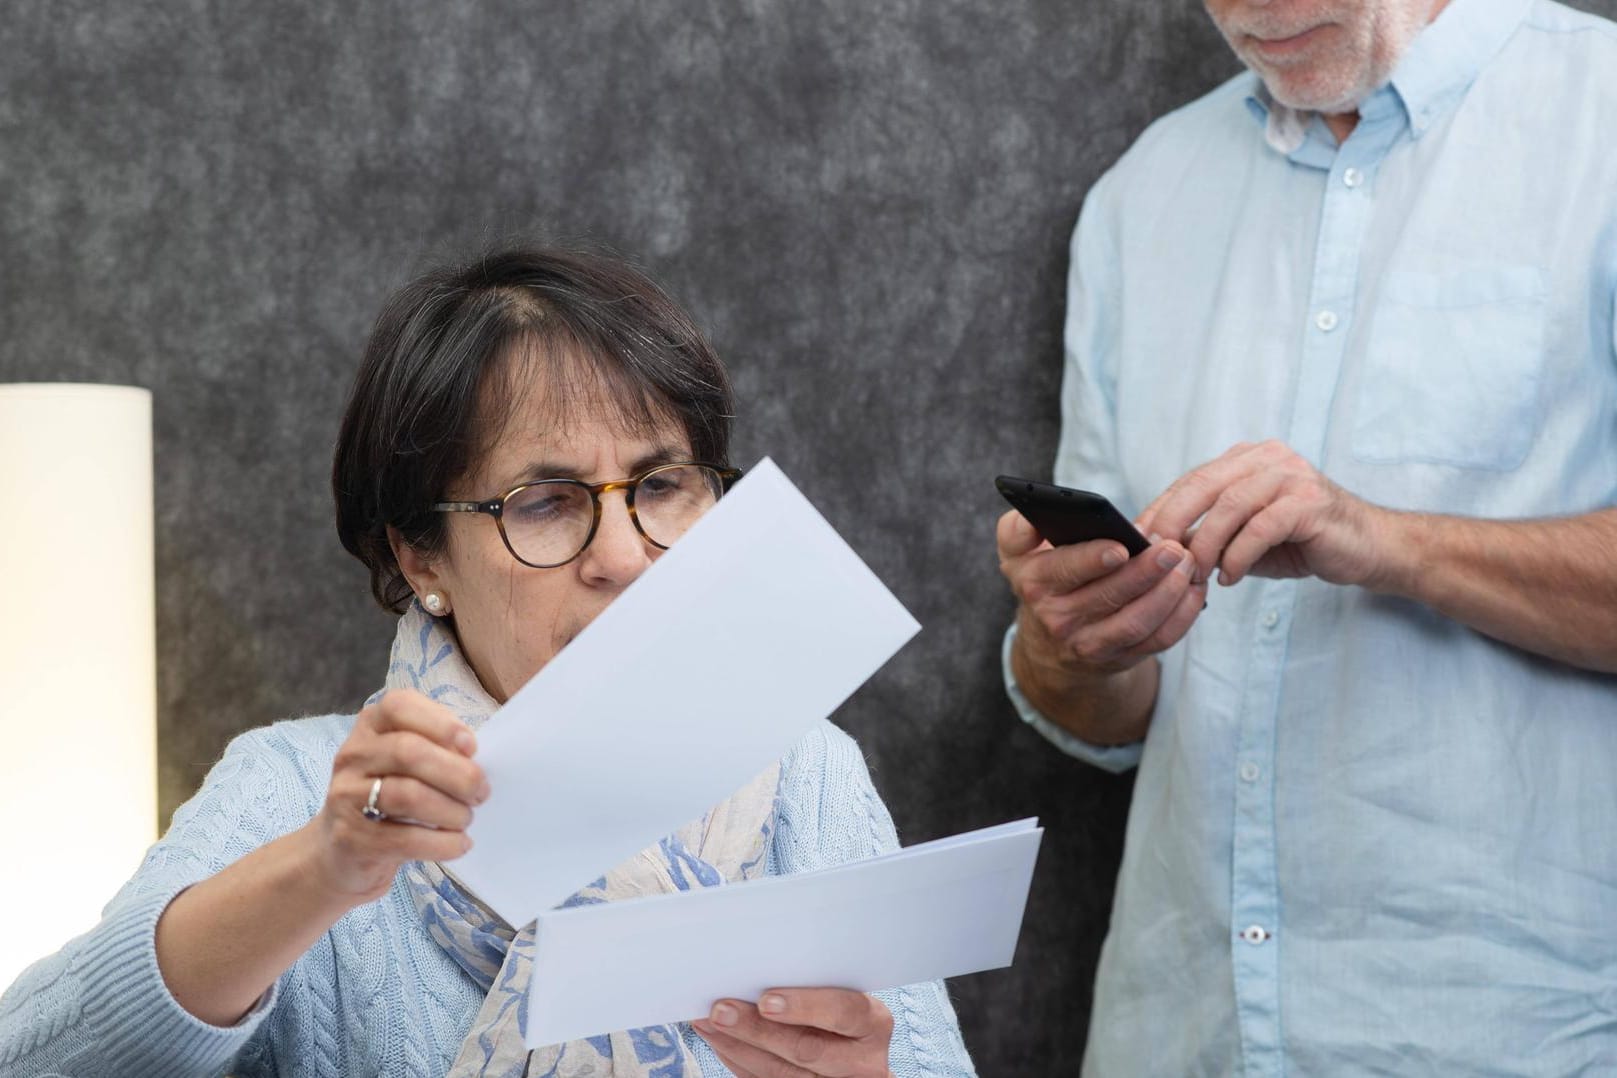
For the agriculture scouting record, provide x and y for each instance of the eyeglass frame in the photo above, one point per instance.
(495, 507)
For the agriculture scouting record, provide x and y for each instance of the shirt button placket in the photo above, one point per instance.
(1255, 899)
(1331, 303)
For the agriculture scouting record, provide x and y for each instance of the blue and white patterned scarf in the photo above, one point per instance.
(729, 843)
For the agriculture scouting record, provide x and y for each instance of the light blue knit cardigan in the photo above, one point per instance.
(375, 996)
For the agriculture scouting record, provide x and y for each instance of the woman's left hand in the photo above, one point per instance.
(800, 1033)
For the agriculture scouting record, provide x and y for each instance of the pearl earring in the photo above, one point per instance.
(433, 602)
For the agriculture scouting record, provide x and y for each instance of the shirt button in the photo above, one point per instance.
(1353, 177)
(1249, 772)
(1254, 934)
(1271, 618)
(1325, 320)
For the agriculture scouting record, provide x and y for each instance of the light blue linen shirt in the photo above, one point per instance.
(1364, 839)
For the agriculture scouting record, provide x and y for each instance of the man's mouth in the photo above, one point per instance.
(1281, 45)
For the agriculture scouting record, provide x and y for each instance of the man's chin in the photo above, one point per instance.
(1307, 96)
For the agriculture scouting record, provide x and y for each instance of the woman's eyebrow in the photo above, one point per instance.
(663, 454)
(548, 469)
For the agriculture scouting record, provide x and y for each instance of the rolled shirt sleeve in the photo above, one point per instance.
(1116, 758)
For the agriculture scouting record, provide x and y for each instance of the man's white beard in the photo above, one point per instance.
(1380, 34)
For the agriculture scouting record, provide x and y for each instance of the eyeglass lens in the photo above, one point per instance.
(549, 522)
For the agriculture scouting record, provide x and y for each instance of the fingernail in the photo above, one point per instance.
(724, 1014)
(465, 843)
(483, 791)
(465, 742)
(1167, 559)
(772, 1004)
(1113, 558)
(1188, 566)
(1154, 538)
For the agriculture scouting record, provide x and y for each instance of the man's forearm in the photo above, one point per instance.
(1103, 708)
(1546, 586)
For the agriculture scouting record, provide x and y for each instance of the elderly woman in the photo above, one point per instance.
(525, 436)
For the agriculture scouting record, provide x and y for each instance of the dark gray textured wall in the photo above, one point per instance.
(865, 202)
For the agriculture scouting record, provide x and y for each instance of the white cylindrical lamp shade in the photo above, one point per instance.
(78, 694)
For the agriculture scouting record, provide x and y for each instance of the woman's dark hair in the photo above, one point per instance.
(426, 404)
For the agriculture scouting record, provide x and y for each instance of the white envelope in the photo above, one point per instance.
(757, 624)
(939, 909)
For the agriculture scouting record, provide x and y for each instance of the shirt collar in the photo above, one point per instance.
(1430, 79)
(1446, 58)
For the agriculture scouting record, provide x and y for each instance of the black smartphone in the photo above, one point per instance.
(1064, 515)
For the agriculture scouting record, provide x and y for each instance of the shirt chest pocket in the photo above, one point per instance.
(1453, 367)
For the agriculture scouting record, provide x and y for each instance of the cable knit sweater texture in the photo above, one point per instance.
(375, 996)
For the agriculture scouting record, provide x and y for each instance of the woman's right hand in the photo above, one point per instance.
(423, 754)
(222, 942)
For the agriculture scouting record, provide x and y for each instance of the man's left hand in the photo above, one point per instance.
(801, 1033)
(1268, 512)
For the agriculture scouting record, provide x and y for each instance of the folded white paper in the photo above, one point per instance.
(709, 668)
(939, 909)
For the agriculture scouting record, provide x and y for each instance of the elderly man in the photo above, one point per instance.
(1341, 333)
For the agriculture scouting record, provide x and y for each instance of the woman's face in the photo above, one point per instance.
(511, 618)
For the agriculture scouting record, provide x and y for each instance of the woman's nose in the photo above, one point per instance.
(619, 553)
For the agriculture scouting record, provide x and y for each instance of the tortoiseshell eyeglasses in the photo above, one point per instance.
(548, 523)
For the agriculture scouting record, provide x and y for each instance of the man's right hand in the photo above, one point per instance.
(1088, 616)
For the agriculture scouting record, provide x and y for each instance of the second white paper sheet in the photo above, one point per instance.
(757, 624)
(939, 909)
